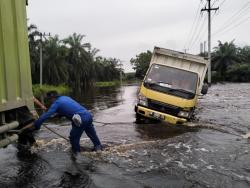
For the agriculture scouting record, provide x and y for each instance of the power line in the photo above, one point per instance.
(195, 31)
(234, 26)
(220, 5)
(200, 33)
(233, 18)
(214, 2)
(195, 23)
(199, 38)
(228, 23)
(200, 29)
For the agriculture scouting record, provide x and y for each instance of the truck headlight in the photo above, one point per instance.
(142, 100)
(183, 114)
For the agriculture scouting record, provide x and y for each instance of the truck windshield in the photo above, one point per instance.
(172, 81)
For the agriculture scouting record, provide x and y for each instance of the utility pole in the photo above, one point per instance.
(209, 9)
(120, 65)
(205, 44)
(41, 56)
(201, 48)
(41, 60)
(185, 50)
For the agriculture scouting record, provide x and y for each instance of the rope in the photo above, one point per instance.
(102, 123)
(208, 126)
(194, 126)
(111, 123)
(99, 122)
(65, 138)
(51, 130)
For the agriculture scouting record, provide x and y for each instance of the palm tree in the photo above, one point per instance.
(33, 34)
(244, 54)
(93, 63)
(56, 71)
(76, 48)
(93, 52)
(69, 61)
(224, 56)
(79, 59)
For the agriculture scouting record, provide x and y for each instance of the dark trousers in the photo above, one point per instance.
(76, 133)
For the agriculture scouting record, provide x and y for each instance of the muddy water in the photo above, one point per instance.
(206, 153)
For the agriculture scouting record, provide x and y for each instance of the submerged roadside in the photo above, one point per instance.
(142, 155)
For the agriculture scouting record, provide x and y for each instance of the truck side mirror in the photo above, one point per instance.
(204, 89)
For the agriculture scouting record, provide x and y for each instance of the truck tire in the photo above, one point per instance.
(139, 118)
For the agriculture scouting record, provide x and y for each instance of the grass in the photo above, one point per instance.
(61, 89)
(107, 84)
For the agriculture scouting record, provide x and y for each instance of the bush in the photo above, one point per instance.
(107, 84)
(239, 73)
(41, 91)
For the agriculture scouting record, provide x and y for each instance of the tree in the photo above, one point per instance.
(141, 63)
(107, 69)
(244, 54)
(69, 61)
(33, 34)
(224, 56)
(79, 60)
(56, 71)
(93, 66)
(239, 72)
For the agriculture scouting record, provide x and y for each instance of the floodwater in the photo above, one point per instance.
(208, 152)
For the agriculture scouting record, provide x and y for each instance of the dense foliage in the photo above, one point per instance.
(69, 61)
(141, 63)
(229, 63)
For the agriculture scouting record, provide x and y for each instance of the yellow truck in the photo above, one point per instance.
(171, 86)
(16, 97)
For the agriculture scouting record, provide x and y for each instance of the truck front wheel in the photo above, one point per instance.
(139, 118)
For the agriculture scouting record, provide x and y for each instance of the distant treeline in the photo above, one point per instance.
(69, 61)
(229, 63)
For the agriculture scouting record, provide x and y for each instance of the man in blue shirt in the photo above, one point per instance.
(80, 117)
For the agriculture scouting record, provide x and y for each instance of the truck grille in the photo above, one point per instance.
(163, 107)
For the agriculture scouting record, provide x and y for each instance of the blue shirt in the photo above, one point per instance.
(64, 106)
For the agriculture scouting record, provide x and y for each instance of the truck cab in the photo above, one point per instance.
(171, 86)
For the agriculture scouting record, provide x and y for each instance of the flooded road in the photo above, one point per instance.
(207, 153)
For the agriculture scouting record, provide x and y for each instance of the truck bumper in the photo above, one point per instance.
(159, 115)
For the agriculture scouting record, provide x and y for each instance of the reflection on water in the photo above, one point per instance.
(142, 155)
(21, 169)
(99, 98)
(161, 130)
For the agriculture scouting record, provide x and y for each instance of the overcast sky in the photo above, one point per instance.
(124, 28)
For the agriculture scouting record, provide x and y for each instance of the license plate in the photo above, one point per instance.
(156, 115)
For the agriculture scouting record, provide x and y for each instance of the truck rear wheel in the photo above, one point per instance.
(24, 117)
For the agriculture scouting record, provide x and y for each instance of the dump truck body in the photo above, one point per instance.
(15, 74)
(171, 87)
